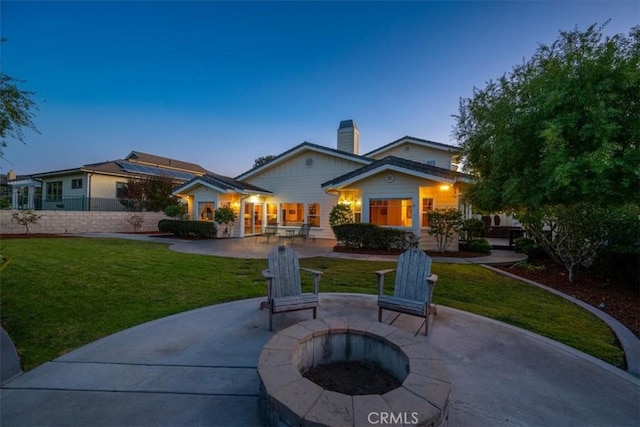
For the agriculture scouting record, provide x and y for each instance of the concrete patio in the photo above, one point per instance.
(199, 367)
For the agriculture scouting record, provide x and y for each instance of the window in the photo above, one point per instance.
(121, 190)
(272, 213)
(313, 217)
(292, 213)
(427, 206)
(205, 211)
(76, 183)
(395, 212)
(54, 191)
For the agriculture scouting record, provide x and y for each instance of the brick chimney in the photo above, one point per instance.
(348, 137)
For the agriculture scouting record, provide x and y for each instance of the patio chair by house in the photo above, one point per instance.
(302, 233)
(413, 287)
(269, 230)
(284, 289)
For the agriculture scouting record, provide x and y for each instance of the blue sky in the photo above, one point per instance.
(222, 83)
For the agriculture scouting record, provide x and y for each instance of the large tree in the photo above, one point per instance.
(558, 133)
(16, 110)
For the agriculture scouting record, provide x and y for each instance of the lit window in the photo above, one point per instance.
(313, 217)
(395, 212)
(272, 213)
(205, 211)
(292, 213)
(427, 206)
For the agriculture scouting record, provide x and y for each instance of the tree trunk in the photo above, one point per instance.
(573, 273)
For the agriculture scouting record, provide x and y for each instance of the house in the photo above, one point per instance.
(394, 185)
(99, 186)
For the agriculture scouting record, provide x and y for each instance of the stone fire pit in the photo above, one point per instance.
(287, 398)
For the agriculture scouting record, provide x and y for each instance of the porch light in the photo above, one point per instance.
(445, 187)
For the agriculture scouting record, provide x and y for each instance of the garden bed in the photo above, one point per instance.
(616, 299)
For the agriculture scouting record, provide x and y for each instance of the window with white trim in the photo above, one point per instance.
(394, 212)
(427, 206)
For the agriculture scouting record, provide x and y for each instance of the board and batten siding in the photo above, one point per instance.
(298, 180)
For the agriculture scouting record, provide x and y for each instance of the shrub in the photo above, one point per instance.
(471, 228)
(529, 247)
(178, 210)
(225, 216)
(186, 228)
(371, 236)
(340, 214)
(444, 225)
(136, 221)
(25, 218)
(479, 245)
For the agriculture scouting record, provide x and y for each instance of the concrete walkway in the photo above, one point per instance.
(257, 247)
(199, 368)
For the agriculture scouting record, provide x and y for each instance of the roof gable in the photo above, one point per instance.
(400, 165)
(220, 183)
(412, 140)
(305, 146)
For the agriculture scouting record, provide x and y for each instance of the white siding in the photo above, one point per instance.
(295, 181)
(418, 153)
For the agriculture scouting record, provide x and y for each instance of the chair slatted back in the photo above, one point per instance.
(304, 231)
(414, 266)
(284, 265)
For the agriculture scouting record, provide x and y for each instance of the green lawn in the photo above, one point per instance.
(59, 294)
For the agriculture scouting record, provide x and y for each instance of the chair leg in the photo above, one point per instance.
(379, 314)
(315, 311)
(426, 324)
(270, 319)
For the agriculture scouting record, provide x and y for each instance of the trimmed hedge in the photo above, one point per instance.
(187, 228)
(371, 236)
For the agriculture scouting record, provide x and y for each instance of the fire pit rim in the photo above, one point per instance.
(297, 399)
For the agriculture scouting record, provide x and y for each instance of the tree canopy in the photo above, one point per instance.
(263, 160)
(555, 142)
(16, 110)
(563, 126)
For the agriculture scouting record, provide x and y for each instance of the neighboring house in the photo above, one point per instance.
(98, 186)
(394, 185)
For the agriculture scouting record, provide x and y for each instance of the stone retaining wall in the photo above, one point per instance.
(62, 222)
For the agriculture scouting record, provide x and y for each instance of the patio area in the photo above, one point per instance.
(199, 368)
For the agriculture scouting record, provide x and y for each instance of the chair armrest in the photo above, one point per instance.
(380, 274)
(316, 278)
(432, 279)
(267, 275)
(314, 272)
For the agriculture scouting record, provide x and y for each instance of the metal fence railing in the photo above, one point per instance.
(79, 203)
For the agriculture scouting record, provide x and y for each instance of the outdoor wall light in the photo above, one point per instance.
(445, 187)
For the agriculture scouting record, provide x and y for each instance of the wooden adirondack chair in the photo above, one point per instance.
(413, 287)
(284, 290)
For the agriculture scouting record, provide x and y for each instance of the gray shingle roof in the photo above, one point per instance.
(409, 165)
(225, 183)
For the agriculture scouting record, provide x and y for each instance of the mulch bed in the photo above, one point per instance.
(353, 378)
(619, 300)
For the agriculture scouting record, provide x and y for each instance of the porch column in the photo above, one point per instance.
(30, 197)
(14, 197)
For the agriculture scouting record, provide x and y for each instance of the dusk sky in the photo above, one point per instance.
(223, 83)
